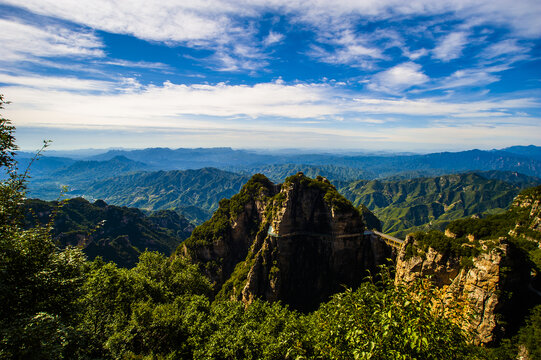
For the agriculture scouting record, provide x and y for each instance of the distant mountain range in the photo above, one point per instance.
(530, 151)
(406, 192)
(523, 159)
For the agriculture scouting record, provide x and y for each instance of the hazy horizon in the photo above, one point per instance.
(86, 152)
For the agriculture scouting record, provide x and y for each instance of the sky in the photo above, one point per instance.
(417, 75)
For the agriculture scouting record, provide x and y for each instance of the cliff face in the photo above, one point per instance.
(487, 279)
(480, 285)
(489, 264)
(529, 226)
(298, 242)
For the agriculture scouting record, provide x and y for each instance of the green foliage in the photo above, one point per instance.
(517, 225)
(118, 303)
(533, 192)
(216, 228)
(258, 186)
(259, 331)
(39, 283)
(384, 321)
(447, 246)
(490, 227)
(331, 196)
(7, 140)
(530, 335)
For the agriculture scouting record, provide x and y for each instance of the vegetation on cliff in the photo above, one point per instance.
(504, 253)
(520, 224)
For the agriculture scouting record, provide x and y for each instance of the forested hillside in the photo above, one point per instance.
(201, 189)
(404, 206)
(118, 234)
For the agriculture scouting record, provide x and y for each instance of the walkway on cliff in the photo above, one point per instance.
(389, 240)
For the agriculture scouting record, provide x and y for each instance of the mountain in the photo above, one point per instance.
(176, 159)
(176, 189)
(279, 172)
(43, 165)
(88, 171)
(298, 242)
(115, 233)
(530, 151)
(511, 177)
(374, 166)
(404, 206)
(447, 161)
(48, 183)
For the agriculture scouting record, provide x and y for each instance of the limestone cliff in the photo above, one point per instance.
(298, 242)
(487, 264)
(482, 285)
(529, 224)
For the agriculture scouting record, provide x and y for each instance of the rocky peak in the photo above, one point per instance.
(298, 242)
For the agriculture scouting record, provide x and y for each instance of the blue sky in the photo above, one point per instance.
(419, 75)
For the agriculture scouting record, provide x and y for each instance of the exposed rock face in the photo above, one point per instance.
(529, 200)
(484, 285)
(299, 243)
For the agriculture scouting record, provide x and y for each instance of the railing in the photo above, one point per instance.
(390, 240)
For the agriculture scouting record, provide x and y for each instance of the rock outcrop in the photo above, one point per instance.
(486, 285)
(298, 242)
(529, 226)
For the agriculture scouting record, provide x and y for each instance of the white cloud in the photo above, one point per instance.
(224, 24)
(398, 78)
(56, 83)
(440, 108)
(21, 41)
(266, 113)
(467, 78)
(71, 102)
(273, 38)
(348, 48)
(450, 47)
(166, 104)
(414, 55)
(137, 64)
(509, 47)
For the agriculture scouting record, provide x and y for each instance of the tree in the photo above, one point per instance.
(386, 321)
(39, 283)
